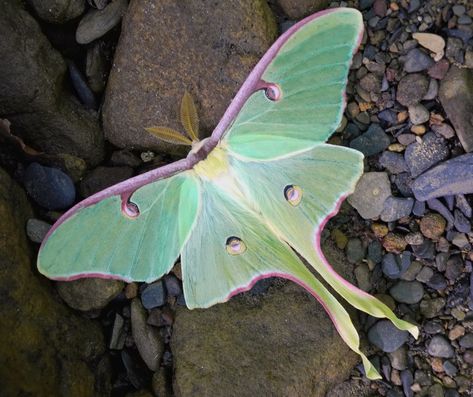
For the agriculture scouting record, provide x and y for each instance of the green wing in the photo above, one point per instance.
(99, 240)
(310, 71)
(323, 177)
(211, 274)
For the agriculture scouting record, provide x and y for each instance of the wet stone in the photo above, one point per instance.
(431, 308)
(37, 229)
(371, 191)
(393, 162)
(394, 266)
(49, 187)
(463, 205)
(439, 69)
(443, 129)
(437, 282)
(440, 347)
(407, 291)
(454, 268)
(153, 295)
(98, 22)
(386, 336)
(373, 141)
(393, 242)
(418, 114)
(399, 358)
(173, 286)
(425, 274)
(433, 225)
(412, 271)
(467, 341)
(419, 208)
(375, 251)
(421, 156)
(407, 379)
(426, 250)
(411, 89)
(396, 208)
(403, 183)
(461, 222)
(363, 276)
(417, 60)
(406, 139)
(450, 368)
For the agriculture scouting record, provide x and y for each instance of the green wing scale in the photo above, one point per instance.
(246, 201)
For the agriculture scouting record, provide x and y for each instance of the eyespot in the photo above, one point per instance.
(131, 210)
(272, 92)
(235, 246)
(293, 194)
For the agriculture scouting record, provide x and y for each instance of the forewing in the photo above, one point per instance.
(307, 76)
(323, 176)
(100, 240)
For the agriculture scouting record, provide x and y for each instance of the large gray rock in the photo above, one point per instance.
(456, 96)
(46, 350)
(32, 91)
(170, 46)
(281, 343)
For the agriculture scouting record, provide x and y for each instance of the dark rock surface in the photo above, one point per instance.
(38, 333)
(32, 91)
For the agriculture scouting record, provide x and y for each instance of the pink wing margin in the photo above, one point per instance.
(126, 188)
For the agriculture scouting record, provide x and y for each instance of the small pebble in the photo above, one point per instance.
(417, 60)
(407, 291)
(440, 347)
(153, 295)
(49, 187)
(37, 229)
(396, 208)
(386, 336)
(433, 225)
(371, 191)
(373, 141)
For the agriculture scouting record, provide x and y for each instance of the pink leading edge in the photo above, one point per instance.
(126, 188)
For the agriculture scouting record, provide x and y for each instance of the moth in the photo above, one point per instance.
(245, 200)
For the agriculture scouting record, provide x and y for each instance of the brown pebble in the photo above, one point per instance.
(395, 377)
(379, 229)
(393, 6)
(341, 240)
(394, 243)
(456, 332)
(433, 225)
(364, 106)
(435, 119)
(439, 69)
(437, 364)
(131, 290)
(402, 116)
(396, 147)
(418, 129)
(177, 270)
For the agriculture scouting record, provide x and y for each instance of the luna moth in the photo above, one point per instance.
(247, 202)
